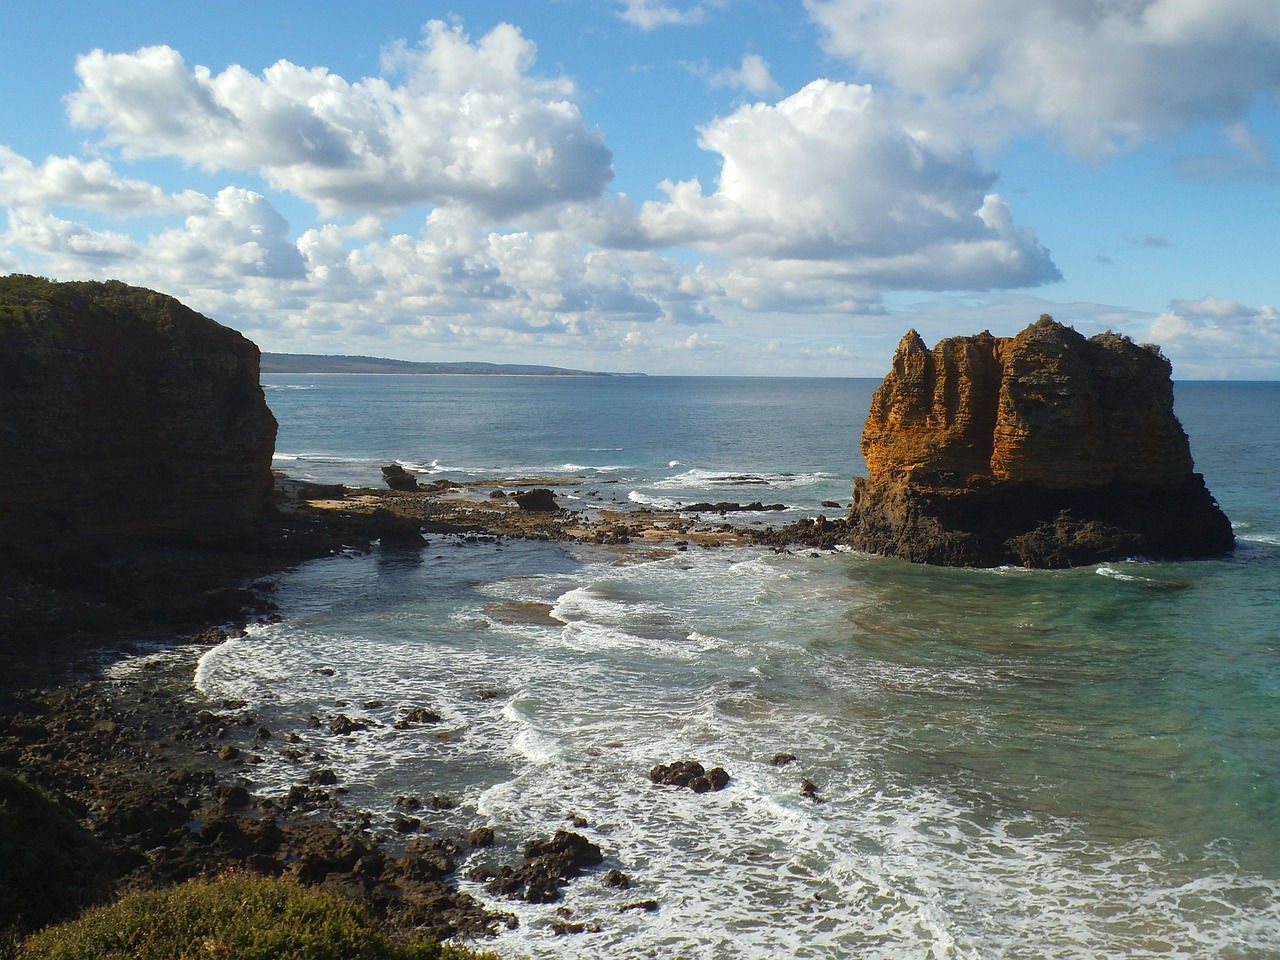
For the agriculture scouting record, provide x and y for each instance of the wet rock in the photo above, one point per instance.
(548, 866)
(395, 532)
(730, 507)
(809, 790)
(649, 906)
(398, 478)
(617, 880)
(691, 774)
(342, 725)
(416, 716)
(782, 759)
(563, 928)
(481, 837)
(234, 796)
(539, 500)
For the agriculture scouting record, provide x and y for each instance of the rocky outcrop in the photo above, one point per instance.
(1046, 450)
(128, 418)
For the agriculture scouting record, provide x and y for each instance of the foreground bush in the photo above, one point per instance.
(234, 918)
(51, 868)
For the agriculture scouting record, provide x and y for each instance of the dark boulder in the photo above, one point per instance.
(691, 774)
(539, 500)
(398, 478)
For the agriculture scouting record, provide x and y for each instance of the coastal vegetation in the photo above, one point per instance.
(50, 866)
(241, 917)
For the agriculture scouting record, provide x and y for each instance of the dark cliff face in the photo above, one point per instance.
(127, 418)
(1045, 449)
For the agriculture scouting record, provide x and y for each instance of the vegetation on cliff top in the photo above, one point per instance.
(22, 297)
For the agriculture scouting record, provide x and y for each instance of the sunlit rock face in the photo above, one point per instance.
(1046, 449)
(128, 418)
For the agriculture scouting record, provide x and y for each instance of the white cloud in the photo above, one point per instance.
(751, 75)
(650, 15)
(1216, 337)
(74, 246)
(464, 124)
(829, 176)
(238, 234)
(1097, 74)
(91, 185)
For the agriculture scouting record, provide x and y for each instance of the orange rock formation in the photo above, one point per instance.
(1045, 449)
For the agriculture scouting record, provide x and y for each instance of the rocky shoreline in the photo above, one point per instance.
(98, 708)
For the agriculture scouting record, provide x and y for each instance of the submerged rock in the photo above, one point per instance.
(1045, 450)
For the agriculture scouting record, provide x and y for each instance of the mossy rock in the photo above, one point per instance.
(239, 917)
(50, 867)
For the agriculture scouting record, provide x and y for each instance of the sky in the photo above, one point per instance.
(727, 187)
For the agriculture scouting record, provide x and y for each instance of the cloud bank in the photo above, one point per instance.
(466, 124)
(1098, 75)
(460, 201)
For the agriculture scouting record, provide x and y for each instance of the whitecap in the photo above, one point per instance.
(658, 503)
(1106, 570)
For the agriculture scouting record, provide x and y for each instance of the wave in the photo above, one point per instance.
(659, 503)
(1107, 570)
(701, 479)
(582, 468)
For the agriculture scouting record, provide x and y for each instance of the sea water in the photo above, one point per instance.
(1004, 763)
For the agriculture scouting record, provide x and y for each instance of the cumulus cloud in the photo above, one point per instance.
(648, 15)
(1097, 74)
(79, 248)
(1216, 337)
(829, 175)
(237, 234)
(751, 75)
(453, 122)
(92, 185)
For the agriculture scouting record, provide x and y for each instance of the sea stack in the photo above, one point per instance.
(1043, 450)
(128, 419)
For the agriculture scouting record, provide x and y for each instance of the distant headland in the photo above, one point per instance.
(318, 363)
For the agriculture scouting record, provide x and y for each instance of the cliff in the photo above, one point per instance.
(1046, 449)
(128, 418)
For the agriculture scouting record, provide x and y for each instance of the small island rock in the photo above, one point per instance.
(1042, 450)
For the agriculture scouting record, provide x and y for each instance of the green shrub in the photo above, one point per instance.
(233, 918)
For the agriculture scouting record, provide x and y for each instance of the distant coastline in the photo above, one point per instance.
(318, 363)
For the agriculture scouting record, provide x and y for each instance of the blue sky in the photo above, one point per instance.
(715, 187)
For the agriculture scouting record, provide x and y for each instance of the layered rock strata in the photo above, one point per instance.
(128, 418)
(1044, 450)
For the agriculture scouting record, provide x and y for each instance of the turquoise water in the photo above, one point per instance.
(1009, 763)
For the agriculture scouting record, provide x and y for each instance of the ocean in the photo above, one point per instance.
(1004, 763)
